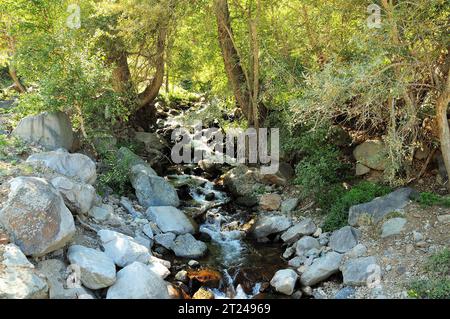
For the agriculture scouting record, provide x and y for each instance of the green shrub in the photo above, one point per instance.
(431, 199)
(437, 285)
(338, 202)
(116, 174)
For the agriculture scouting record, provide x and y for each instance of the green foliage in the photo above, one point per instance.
(116, 174)
(337, 202)
(11, 148)
(432, 199)
(320, 166)
(437, 285)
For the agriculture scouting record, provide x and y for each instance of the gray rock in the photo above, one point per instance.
(357, 271)
(362, 170)
(357, 251)
(305, 228)
(78, 197)
(270, 224)
(170, 219)
(126, 203)
(289, 252)
(52, 130)
(321, 269)
(392, 227)
(182, 276)
(101, 213)
(284, 281)
(345, 293)
(380, 207)
(305, 244)
(151, 140)
(445, 219)
(137, 281)
(166, 240)
(18, 278)
(36, 217)
(297, 261)
(289, 205)
(152, 190)
(123, 249)
(97, 269)
(344, 239)
(372, 154)
(186, 246)
(77, 166)
(55, 270)
(144, 241)
(417, 236)
(148, 231)
(242, 182)
(159, 269)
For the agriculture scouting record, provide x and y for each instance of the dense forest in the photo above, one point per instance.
(359, 91)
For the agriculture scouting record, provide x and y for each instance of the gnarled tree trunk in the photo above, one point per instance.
(441, 116)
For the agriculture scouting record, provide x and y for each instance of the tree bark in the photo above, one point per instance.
(235, 72)
(444, 130)
(121, 75)
(15, 78)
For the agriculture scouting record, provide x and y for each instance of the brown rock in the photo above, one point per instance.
(203, 293)
(4, 238)
(270, 202)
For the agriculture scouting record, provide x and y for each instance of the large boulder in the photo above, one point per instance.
(266, 225)
(344, 239)
(170, 219)
(372, 154)
(18, 278)
(284, 281)
(186, 246)
(97, 269)
(243, 182)
(321, 269)
(356, 272)
(304, 228)
(378, 208)
(52, 130)
(36, 217)
(78, 197)
(138, 281)
(123, 249)
(152, 190)
(77, 166)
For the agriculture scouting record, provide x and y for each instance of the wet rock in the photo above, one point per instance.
(52, 130)
(137, 281)
(205, 277)
(78, 197)
(152, 190)
(123, 249)
(170, 219)
(101, 213)
(392, 227)
(76, 166)
(270, 202)
(97, 269)
(345, 293)
(344, 239)
(357, 271)
(380, 207)
(203, 293)
(289, 205)
(289, 252)
(166, 240)
(372, 154)
(36, 217)
(242, 182)
(297, 295)
(321, 269)
(305, 244)
(266, 225)
(186, 246)
(305, 228)
(193, 263)
(18, 278)
(284, 281)
(182, 276)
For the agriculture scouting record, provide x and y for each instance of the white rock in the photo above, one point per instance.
(170, 219)
(321, 269)
(101, 213)
(78, 197)
(159, 269)
(284, 281)
(137, 281)
(305, 244)
(97, 269)
(270, 224)
(18, 278)
(123, 249)
(76, 166)
(186, 246)
(304, 228)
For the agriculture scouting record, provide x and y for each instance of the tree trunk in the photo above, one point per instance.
(152, 90)
(444, 130)
(15, 78)
(121, 75)
(235, 72)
